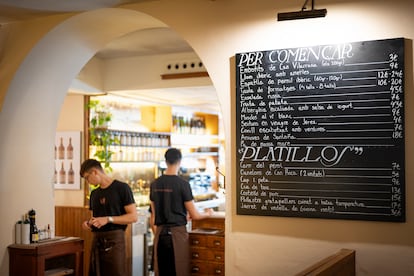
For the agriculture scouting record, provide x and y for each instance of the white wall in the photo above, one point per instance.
(218, 30)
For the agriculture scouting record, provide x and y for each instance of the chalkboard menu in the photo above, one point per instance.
(320, 131)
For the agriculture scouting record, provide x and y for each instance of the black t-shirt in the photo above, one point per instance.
(169, 192)
(111, 202)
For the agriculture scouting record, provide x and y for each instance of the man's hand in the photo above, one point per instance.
(98, 222)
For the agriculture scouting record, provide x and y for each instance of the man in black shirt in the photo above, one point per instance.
(113, 208)
(171, 200)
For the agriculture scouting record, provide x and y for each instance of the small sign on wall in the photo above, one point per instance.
(67, 160)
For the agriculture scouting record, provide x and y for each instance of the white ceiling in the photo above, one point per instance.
(145, 42)
(141, 43)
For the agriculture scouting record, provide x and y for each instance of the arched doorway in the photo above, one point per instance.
(32, 105)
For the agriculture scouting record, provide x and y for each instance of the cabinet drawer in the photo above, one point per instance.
(215, 269)
(215, 256)
(198, 240)
(215, 241)
(199, 268)
(206, 254)
(199, 254)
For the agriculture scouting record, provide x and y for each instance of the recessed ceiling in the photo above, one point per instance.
(146, 42)
(158, 41)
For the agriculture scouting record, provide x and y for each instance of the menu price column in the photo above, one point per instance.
(396, 89)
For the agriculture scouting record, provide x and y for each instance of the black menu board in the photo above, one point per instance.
(320, 131)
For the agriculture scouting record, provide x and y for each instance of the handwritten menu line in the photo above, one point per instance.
(367, 63)
(348, 72)
(356, 123)
(354, 79)
(346, 168)
(320, 131)
(343, 101)
(333, 183)
(337, 95)
(347, 138)
(345, 116)
(332, 191)
(342, 144)
(342, 198)
(358, 176)
(359, 130)
(355, 86)
(371, 107)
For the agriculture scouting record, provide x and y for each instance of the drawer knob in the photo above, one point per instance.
(195, 269)
(217, 271)
(217, 242)
(195, 255)
(196, 241)
(217, 257)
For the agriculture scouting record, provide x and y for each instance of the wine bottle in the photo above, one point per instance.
(71, 174)
(61, 149)
(32, 221)
(69, 150)
(35, 234)
(48, 233)
(62, 175)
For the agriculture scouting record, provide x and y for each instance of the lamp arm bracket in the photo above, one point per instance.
(305, 4)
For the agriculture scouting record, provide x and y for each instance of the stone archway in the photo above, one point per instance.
(32, 104)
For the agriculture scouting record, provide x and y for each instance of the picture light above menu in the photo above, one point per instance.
(320, 131)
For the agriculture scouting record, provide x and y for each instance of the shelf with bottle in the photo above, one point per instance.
(132, 146)
(133, 153)
(194, 123)
(140, 139)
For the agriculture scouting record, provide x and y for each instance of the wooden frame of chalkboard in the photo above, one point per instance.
(320, 131)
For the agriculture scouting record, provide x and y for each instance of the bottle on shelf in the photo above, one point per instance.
(35, 234)
(48, 233)
(32, 221)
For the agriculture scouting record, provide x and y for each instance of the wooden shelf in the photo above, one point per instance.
(62, 255)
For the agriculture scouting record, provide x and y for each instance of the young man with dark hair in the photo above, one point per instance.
(113, 208)
(171, 201)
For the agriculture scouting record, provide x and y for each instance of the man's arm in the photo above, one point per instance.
(194, 213)
(131, 216)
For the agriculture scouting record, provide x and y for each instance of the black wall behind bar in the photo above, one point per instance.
(320, 131)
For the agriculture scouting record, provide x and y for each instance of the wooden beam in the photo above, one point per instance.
(184, 75)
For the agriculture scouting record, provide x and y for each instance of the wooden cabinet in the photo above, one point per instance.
(56, 257)
(207, 254)
(207, 247)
